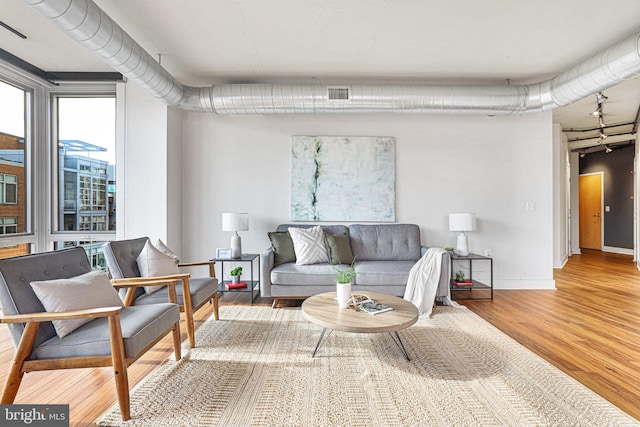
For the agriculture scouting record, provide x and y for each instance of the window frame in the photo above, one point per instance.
(35, 131)
(56, 235)
(39, 158)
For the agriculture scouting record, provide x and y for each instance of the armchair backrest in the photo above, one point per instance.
(16, 275)
(121, 256)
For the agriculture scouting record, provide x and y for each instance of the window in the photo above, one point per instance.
(15, 140)
(80, 124)
(93, 250)
(8, 225)
(86, 163)
(8, 189)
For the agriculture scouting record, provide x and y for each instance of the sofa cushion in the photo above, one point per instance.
(375, 273)
(282, 246)
(90, 290)
(386, 242)
(309, 245)
(338, 249)
(305, 275)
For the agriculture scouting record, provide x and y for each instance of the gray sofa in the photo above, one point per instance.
(384, 255)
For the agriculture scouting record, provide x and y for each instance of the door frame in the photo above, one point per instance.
(601, 173)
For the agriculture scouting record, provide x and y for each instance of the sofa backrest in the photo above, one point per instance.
(384, 242)
(331, 229)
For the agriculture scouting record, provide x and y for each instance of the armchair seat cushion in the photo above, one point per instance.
(141, 326)
(201, 290)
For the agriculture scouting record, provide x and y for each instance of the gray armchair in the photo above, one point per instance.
(113, 336)
(192, 293)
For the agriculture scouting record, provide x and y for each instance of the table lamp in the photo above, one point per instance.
(235, 222)
(462, 222)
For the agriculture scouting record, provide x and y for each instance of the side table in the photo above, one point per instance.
(484, 291)
(253, 285)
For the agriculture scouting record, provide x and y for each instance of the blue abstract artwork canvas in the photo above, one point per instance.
(342, 178)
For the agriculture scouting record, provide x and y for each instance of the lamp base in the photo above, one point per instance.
(236, 246)
(462, 246)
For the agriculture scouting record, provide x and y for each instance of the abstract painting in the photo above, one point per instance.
(342, 178)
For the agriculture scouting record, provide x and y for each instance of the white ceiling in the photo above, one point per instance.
(204, 42)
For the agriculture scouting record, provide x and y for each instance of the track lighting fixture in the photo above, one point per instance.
(607, 150)
(582, 154)
(600, 97)
(601, 123)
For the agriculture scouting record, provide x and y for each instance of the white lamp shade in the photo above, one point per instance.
(235, 221)
(462, 222)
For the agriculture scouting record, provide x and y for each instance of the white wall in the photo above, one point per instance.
(174, 180)
(560, 192)
(490, 166)
(142, 165)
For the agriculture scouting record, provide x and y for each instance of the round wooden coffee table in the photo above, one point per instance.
(323, 310)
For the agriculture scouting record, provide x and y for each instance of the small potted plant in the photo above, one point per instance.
(235, 275)
(344, 279)
(345, 274)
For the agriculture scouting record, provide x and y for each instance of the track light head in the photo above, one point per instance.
(582, 154)
(607, 150)
(601, 123)
(603, 135)
(600, 97)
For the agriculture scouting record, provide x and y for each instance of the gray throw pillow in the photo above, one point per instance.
(282, 245)
(338, 248)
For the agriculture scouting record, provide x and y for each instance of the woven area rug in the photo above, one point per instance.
(254, 368)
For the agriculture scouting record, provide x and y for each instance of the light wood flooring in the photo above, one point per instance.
(589, 328)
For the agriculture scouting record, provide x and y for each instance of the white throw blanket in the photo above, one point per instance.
(423, 282)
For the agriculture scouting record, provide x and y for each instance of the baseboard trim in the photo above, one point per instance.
(615, 250)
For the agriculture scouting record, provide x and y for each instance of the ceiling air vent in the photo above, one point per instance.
(338, 93)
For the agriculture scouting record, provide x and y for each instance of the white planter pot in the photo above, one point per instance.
(343, 291)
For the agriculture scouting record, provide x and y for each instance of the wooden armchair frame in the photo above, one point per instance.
(21, 363)
(187, 306)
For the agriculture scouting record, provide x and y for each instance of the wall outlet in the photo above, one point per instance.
(487, 252)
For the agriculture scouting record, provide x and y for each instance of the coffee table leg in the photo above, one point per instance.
(320, 342)
(398, 342)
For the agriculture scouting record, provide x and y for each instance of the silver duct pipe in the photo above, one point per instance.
(300, 98)
(85, 22)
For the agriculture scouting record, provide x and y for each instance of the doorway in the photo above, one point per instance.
(590, 205)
